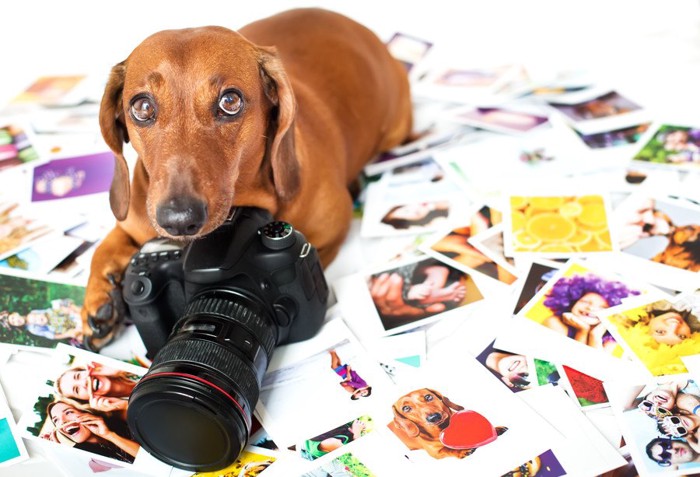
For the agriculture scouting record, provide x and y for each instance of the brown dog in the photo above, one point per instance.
(419, 418)
(281, 115)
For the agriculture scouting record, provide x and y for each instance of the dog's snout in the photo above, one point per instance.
(434, 417)
(182, 216)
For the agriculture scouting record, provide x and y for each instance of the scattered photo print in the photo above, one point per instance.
(537, 276)
(544, 465)
(39, 313)
(441, 424)
(455, 247)
(500, 120)
(407, 49)
(589, 391)
(471, 78)
(52, 90)
(73, 177)
(658, 423)
(659, 332)
(673, 146)
(614, 138)
(12, 449)
(558, 226)
(320, 445)
(428, 287)
(514, 370)
(251, 462)
(346, 465)
(83, 406)
(603, 106)
(569, 302)
(347, 385)
(660, 239)
(15, 146)
(490, 243)
(417, 151)
(18, 228)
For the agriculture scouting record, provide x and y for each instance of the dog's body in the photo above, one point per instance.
(419, 418)
(220, 119)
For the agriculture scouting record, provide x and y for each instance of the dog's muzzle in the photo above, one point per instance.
(182, 216)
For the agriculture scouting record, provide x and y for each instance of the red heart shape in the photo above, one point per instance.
(467, 430)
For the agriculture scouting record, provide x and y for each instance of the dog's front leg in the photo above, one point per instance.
(103, 307)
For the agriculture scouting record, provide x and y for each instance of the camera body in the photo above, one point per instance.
(210, 314)
(249, 254)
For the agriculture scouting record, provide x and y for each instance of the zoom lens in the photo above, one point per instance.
(193, 409)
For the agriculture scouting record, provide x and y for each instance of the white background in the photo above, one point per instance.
(648, 49)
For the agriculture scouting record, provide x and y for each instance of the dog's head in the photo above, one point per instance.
(424, 412)
(205, 109)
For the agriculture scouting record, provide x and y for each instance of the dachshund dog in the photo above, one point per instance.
(420, 417)
(282, 115)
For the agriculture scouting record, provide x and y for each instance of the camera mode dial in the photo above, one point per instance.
(277, 235)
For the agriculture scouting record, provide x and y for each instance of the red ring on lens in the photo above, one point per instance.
(248, 420)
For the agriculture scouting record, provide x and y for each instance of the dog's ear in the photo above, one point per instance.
(446, 400)
(280, 135)
(114, 132)
(405, 424)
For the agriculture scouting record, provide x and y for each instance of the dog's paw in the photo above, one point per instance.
(102, 318)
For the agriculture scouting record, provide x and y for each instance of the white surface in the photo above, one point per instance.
(649, 49)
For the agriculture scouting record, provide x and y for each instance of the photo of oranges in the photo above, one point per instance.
(559, 225)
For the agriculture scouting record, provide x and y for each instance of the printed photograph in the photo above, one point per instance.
(331, 374)
(51, 90)
(603, 106)
(660, 230)
(73, 177)
(587, 390)
(39, 313)
(537, 275)
(658, 332)
(514, 370)
(347, 465)
(15, 146)
(673, 146)
(614, 138)
(18, 228)
(413, 292)
(659, 424)
(456, 247)
(569, 303)
(442, 423)
(501, 120)
(408, 49)
(490, 243)
(558, 226)
(251, 462)
(83, 406)
(320, 445)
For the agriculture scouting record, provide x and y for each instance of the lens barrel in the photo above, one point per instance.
(193, 408)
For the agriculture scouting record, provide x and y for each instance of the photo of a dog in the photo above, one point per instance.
(421, 416)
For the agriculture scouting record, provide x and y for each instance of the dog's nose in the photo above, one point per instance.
(434, 417)
(182, 216)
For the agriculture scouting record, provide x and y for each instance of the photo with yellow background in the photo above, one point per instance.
(564, 224)
(659, 358)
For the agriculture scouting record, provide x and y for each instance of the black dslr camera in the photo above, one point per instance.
(210, 315)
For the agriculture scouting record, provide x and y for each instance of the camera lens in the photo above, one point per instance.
(193, 408)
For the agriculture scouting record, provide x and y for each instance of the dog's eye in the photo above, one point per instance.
(406, 409)
(428, 397)
(230, 103)
(143, 109)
